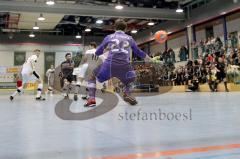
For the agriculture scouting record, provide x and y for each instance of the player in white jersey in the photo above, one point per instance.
(88, 64)
(50, 74)
(29, 74)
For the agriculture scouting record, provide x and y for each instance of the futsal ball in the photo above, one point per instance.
(161, 36)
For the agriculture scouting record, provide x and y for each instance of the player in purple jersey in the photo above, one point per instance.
(117, 64)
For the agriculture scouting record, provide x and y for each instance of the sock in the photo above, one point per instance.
(19, 90)
(39, 90)
(127, 90)
(104, 86)
(86, 92)
(92, 89)
(225, 84)
(210, 86)
(65, 88)
(50, 90)
(215, 85)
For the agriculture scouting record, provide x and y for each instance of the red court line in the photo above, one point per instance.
(171, 152)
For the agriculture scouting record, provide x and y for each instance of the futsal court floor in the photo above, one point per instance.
(210, 129)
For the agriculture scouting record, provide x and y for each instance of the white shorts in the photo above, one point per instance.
(27, 78)
(81, 71)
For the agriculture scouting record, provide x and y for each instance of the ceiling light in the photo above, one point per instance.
(134, 31)
(50, 2)
(41, 18)
(99, 21)
(88, 30)
(119, 6)
(36, 27)
(223, 13)
(31, 35)
(151, 23)
(179, 10)
(78, 36)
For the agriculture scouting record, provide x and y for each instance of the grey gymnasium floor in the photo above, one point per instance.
(32, 130)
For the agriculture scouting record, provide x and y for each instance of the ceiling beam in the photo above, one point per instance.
(91, 10)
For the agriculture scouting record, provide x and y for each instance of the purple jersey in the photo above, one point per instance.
(120, 46)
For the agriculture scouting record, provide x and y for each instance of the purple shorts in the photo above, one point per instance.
(107, 70)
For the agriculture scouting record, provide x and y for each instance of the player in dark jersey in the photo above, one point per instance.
(117, 64)
(221, 74)
(67, 75)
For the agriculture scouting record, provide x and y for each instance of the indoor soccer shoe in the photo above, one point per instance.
(103, 90)
(129, 99)
(40, 98)
(75, 97)
(11, 98)
(85, 97)
(65, 95)
(90, 103)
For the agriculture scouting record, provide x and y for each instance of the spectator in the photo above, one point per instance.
(212, 78)
(209, 58)
(218, 45)
(172, 56)
(194, 86)
(202, 45)
(183, 53)
(195, 50)
(234, 41)
(222, 72)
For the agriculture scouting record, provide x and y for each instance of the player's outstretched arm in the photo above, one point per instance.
(102, 46)
(138, 52)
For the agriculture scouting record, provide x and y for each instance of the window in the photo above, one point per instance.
(19, 58)
(209, 32)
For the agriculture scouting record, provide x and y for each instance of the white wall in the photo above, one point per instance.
(233, 25)
(200, 35)
(218, 31)
(6, 58)
(7, 53)
(157, 47)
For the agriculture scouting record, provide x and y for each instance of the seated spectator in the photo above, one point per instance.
(194, 84)
(222, 72)
(218, 44)
(209, 58)
(172, 59)
(203, 47)
(212, 78)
